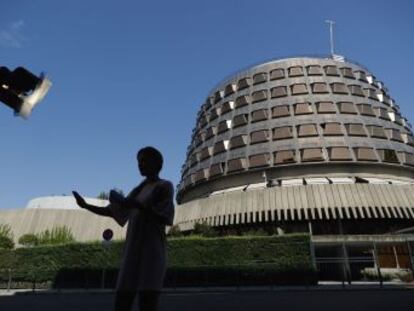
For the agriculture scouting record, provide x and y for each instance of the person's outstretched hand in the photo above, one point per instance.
(79, 200)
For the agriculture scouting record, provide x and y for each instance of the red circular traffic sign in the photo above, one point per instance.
(107, 234)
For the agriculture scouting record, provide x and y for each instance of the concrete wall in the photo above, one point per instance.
(85, 226)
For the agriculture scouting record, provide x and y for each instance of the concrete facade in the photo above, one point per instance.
(45, 213)
(298, 139)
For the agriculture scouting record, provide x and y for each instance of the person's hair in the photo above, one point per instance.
(154, 155)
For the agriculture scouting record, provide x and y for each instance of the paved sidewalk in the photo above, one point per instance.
(252, 299)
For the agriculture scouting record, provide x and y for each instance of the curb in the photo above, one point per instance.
(229, 289)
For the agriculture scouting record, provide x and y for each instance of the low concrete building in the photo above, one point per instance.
(45, 213)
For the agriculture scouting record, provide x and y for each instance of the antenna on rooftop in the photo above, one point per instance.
(331, 23)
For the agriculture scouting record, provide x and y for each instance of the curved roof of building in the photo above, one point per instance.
(61, 202)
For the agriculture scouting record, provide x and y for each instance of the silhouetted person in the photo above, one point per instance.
(148, 208)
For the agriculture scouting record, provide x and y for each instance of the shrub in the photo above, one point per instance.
(205, 230)
(192, 260)
(6, 237)
(256, 232)
(175, 231)
(6, 242)
(29, 240)
(58, 235)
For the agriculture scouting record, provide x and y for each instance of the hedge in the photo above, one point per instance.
(193, 261)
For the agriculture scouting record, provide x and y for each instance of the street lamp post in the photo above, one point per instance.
(21, 90)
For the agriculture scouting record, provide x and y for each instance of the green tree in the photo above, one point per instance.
(6, 237)
(103, 195)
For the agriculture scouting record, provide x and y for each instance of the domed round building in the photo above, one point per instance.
(305, 144)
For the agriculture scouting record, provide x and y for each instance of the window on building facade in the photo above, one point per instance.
(242, 101)
(339, 154)
(332, 129)
(243, 83)
(280, 111)
(361, 76)
(259, 115)
(284, 156)
(393, 134)
(278, 91)
(213, 114)
(200, 175)
(227, 107)
(346, 107)
(259, 96)
(259, 78)
(406, 158)
(376, 131)
(331, 70)
(303, 108)
(210, 132)
(236, 165)
(240, 119)
(312, 155)
(238, 141)
(259, 160)
(314, 70)
(325, 107)
(205, 153)
(407, 138)
(356, 90)
(347, 72)
(223, 126)
(194, 159)
(365, 154)
(283, 132)
(298, 89)
(355, 129)
(220, 146)
(339, 88)
(371, 93)
(307, 130)
(366, 109)
(295, 71)
(216, 169)
(388, 155)
(276, 74)
(259, 136)
(203, 121)
(319, 88)
(229, 89)
(381, 113)
(218, 96)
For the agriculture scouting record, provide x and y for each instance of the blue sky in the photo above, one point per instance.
(127, 74)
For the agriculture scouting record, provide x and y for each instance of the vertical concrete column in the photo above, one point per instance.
(346, 264)
(377, 264)
(410, 254)
(312, 247)
(394, 250)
